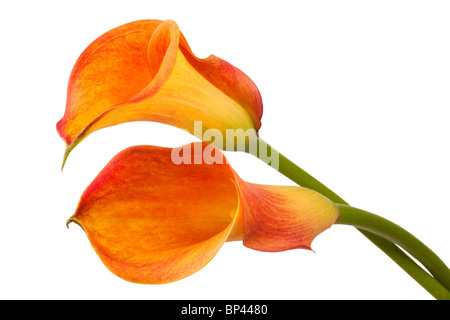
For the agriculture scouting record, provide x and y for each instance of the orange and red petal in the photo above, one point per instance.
(109, 72)
(229, 79)
(278, 218)
(154, 219)
(145, 71)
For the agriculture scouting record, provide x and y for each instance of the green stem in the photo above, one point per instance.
(302, 178)
(293, 172)
(384, 228)
(428, 282)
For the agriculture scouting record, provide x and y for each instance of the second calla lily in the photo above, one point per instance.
(146, 71)
(152, 220)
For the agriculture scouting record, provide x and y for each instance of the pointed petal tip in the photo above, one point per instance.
(66, 155)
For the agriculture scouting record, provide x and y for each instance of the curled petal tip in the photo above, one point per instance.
(170, 21)
(74, 220)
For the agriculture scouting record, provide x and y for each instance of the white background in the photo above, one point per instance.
(357, 93)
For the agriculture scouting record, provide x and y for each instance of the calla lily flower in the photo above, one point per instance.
(146, 71)
(155, 220)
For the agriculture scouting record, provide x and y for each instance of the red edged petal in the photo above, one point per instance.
(278, 218)
(231, 80)
(145, 71)
(157, 215)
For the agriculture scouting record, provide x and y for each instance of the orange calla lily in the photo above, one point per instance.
(151, 220)
(146, 71)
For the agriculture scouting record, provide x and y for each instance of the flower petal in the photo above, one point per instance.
(154, 219)
(232, 81)
(145, 71)
(151, 221)
(97, 80)
(278, 218)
